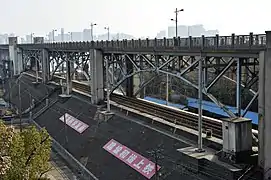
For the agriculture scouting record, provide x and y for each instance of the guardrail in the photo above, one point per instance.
(215, 42)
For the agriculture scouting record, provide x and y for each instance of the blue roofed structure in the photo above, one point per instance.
(213, 108)
(207, 106)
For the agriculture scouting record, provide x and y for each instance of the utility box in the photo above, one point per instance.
(237, 137)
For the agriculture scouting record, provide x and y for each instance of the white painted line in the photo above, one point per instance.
(74, 123)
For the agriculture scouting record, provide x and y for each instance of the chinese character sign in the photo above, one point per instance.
(74, 123)
(131, 158)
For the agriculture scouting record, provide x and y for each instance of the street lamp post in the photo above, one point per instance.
(91, 26)
(108, 33)
(53, 34)
(176, 20)
(176, 24)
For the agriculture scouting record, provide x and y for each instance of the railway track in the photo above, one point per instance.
(178, 117)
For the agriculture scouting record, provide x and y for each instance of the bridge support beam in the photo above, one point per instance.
(96, 76)
(15, 55)
(264, 110)
(45, 66)
(20, 60)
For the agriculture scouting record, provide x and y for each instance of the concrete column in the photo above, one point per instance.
(39, 40)
(13, 54)
(45, 66)
(20, 60)
(96, 76)
(265, 109)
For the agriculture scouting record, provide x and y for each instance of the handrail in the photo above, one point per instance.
(215, 42)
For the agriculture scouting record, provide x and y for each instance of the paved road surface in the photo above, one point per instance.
(60, 170)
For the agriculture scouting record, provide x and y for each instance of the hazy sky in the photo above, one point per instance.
(136, 17)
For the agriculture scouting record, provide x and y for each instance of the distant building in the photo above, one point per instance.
(77, 36)
(171, 32)
(3, 39)
(86, 35)
(161, 35)
(211, 32)
(194, 30)
(62, 34)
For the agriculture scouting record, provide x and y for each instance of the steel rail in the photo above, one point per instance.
(178, 117)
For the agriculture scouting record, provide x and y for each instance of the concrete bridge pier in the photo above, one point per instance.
(264, 110)
(45, 66)
(15, 55)
(96, 76)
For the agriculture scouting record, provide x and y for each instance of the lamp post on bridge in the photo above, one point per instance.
(108, 33)
(176, 24)
(176, 20)
(91, 29)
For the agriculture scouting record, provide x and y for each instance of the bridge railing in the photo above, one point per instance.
(233, 41)
(215, 42)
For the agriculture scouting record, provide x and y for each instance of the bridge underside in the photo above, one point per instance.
(131, 71)
(87, 147)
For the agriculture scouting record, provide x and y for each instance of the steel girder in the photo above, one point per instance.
(181, 67)
(28, 56)
(177, 67)
(79, 60)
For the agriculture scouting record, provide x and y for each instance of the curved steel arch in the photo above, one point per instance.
(128, 76)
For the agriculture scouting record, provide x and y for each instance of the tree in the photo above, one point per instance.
(29, 153)
(6, 135)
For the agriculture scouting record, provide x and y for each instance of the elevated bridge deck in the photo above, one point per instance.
(223, 44)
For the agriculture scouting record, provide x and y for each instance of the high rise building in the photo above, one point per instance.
(161, 35)
(171, 32)
(194, 30)
(77, 36)
(62, 34)
(86, 35)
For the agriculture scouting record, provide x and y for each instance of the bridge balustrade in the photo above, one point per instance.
(216, 42)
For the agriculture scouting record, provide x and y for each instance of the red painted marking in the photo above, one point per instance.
(131, 158)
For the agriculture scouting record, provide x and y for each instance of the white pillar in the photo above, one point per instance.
(45, 66)
(96, 76)
(20, 60)
(13, 54)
